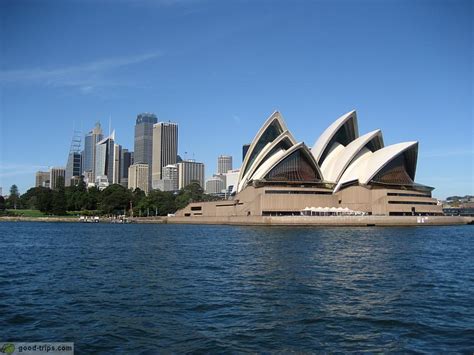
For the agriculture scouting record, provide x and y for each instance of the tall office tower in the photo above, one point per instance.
(138, 177)
(165, 148)
(74, 160)
(56, 178)
(126, 159)
(144, 140)
(215, 186)
(116, 164)
(170, 178)
(245, 148)
(105, 159)
(190, 171)
(42, 179)
(90, 141)
(224, 164)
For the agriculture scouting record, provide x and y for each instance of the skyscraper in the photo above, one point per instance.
(74, 161)
(144, 140)
(126, 159)
(116, 164)
(165, 148)
(105, 163)
(189, 171)
(224, 164)
(138, 177)
(90, 142)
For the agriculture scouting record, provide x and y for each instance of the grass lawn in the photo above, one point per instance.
(34, 213)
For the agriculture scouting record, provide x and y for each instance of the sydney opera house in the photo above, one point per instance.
(342, 171)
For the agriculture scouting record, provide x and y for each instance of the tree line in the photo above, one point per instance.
(113, 200)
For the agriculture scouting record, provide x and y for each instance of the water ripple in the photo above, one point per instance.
(150, 289)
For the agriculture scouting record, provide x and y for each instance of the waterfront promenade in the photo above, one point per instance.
(327, 221)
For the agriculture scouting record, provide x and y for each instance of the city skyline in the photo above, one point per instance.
(406, 67)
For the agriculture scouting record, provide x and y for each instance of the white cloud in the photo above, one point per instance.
(86, 77)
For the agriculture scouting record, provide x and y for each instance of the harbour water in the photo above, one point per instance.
(181, 288)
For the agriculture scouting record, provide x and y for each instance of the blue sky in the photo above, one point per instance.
(220, 68)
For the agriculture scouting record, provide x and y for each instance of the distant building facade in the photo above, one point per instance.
(42, 179)
(138, 177)
(143, 144)
(165, 148)
(74, 160)
(126, 159)
(231, 181)
(215, 186)
(169, 182)
(106, 162)
(89, 154)
(73, 167)
(224, 164)
(189, 171)
(56, 178)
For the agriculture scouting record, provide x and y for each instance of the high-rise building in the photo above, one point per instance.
(126, 159)
(245, 148)
(215, 186)
(105, 163)
(56, 178)
(73, 167)
(138, 177)
(42, 179)
(89, 154)
(190, 171)
(116, 165)
(165, 148)
(144, 140)
(224, 164)
(170, 178)
(74, 160)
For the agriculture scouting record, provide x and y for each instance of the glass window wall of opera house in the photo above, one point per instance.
(342, 170)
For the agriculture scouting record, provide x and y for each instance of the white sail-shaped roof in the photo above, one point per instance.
(264, 155)
(382, 157)
(271, 129)
(367, 164)
(347, 121)
(335, 165)
(278, 157)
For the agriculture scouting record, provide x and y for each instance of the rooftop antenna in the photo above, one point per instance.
(110, 124)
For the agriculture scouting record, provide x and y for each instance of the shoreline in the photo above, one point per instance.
(328, 221)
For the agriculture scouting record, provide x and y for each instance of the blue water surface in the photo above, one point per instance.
(182, 288)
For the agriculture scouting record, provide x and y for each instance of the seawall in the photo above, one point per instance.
(361, 221)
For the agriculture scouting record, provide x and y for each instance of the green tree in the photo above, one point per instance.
(44, 200)
(2, 204)
(115, 199)
(14, 198)
(90, 200)
(190, 193)
(59, 202)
